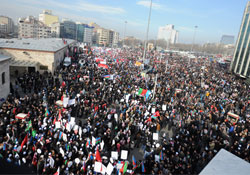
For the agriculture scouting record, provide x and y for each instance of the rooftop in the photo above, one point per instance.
(226, 163)
(4, 58)
(42, 44)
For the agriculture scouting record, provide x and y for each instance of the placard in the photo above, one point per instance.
(58, 125)
(72, 102)
(157, 158)
(153, 110)
(164, 107)
(65, 137)
(155, 136)
(110, 168)
(104, 169)
(114, 155)
(65, 102)
(124, 154)
(93, 141)
(98, 167)
(102, 144)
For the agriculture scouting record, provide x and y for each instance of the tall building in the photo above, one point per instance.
(87, 36)
(168, 33)
(227, 39)
(102, 36)
(116, 38)
(241, 58)
(95, 34)
(56, 30)
(30, 27)
(6, 25)
(84, 33)
(47, 18)
(69, 29)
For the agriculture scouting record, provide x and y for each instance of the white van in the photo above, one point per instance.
(67, 61)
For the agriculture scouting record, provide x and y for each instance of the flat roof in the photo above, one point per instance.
(226, 163)
(4, 58)
(42, 44)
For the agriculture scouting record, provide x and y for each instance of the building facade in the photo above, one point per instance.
(4, 77)
(30, 27)
(88, 32)
(47, 18)
(56, 30)
(6, 26)
(69, 29)
(102, 36)
(113, 38)
(35, 54)
(227, 39)
(168, 33)
(241, 58)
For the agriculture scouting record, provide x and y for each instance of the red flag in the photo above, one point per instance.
(34, 160)
(62, 98)
(60, 115)
(57, 172)
(98, 156)
(144, 91)
(25, 140)
(96, 108)
(103, 66)
(54, 121)
(63, 84)
(157, 114)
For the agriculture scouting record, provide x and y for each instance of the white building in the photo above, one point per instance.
(7, 25)
(32, 54)
(30, 27)
(56, 29)
(87, 35)
(4, 76)
(168, 33)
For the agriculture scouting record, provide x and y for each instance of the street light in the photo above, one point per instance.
(195, 28)
(124, 32)
(144, 53)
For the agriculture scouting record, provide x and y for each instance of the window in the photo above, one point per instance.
(3, 77)
(43, 67)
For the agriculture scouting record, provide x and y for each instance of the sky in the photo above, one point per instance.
(214, 18)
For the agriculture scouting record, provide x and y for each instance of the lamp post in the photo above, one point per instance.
(144, 53)
(195, 28)
(125, 25)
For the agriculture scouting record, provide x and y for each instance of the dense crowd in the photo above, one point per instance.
(108, 112)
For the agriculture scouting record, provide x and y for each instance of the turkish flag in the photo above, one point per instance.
(103, 66)
(25, 140)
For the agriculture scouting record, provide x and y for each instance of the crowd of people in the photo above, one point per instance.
(175, 111)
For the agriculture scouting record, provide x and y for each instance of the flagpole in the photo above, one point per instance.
(155, 86)
(144, 53)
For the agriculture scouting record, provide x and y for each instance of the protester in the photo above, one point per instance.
(81, 114)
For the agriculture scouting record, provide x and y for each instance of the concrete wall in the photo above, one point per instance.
(4, 88)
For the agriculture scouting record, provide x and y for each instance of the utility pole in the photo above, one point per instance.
(124, 33)
(144, 53)
(195, 28)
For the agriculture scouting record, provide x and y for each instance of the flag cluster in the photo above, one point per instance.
(144, 92)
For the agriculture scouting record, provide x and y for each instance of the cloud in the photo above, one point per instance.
(188, 29)
(146, 3)
(99, 8)
(76, 6)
